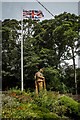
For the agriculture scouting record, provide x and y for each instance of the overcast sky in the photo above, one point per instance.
(40, 0)
(13, 10)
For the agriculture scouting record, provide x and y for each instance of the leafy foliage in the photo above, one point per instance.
(47, 105)
(71, 105)
(47, 45)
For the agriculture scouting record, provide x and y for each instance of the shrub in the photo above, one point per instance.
(48, 116)
(38, 108)
(8, 101)
(45, 99)
(16, 91)
(72, 108)
(44, 106)
(43, 113)
(79, 109)
(20, 96)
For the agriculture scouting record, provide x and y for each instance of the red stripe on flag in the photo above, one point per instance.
(32, 13)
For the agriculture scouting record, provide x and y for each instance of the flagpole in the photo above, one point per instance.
(22, 53)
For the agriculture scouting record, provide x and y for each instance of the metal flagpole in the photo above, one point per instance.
(22, 53)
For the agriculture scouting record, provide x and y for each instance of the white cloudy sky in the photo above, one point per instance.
(40, 0)
(13, 10)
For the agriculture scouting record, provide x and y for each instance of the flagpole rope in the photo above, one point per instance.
(45, 8)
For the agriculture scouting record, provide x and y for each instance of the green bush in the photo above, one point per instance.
(48, 116)
(38, 108)
(79, 109)
(16, 91)
(8, 101)
(45, 99)
(44, 106)
(43, 113)
(72, 107)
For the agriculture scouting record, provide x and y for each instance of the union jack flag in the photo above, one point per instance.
(36, 14)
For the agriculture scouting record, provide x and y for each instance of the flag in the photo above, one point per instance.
(36, 14)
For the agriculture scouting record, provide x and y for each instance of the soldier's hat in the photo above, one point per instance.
(41, 70)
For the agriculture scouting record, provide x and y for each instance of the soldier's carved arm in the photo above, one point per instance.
(44, 84)
(41, 77)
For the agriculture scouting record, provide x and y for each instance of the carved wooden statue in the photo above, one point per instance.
(39, 81)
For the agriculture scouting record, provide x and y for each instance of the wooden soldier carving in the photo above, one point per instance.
(39, 81)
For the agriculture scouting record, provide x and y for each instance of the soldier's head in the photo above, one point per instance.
(41, 70)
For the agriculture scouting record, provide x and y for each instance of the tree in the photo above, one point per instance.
(68, 35)
(61, 36)
(47, 45)
(10, 53)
